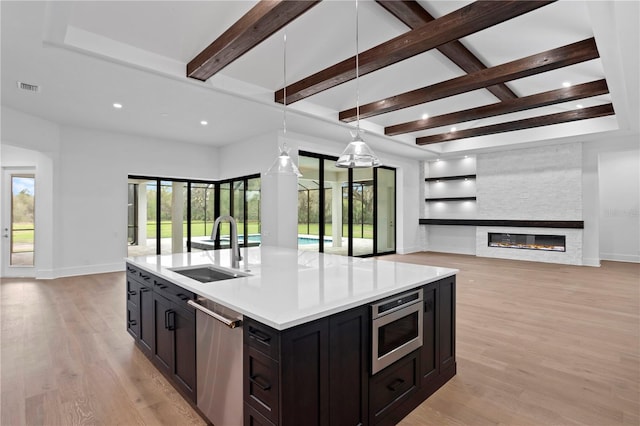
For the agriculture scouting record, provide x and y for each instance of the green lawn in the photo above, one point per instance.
(359, 231)
(197, 228)
(22, 233)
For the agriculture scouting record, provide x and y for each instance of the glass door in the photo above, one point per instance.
(385, 210)
(19, 231)
(362, 212)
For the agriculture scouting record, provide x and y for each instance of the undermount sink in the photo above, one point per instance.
(207, 273)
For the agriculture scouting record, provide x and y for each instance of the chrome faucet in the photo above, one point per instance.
(235, 248)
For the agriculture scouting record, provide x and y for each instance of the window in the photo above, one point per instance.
(177, 215)
(22, 235)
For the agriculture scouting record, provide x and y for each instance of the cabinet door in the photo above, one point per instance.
(184, 359)
(147, 321)
(305, 374)
(133, 309)
(163, 347)
(447, 323)
(429, 352)
(348, 372)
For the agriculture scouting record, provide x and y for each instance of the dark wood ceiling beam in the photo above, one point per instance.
(264, 19)
(472, 18)
(527, 123)
(413, 15)
(552, 59)
(552, 97)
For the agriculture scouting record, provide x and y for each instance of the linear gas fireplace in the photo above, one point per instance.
(528, 241)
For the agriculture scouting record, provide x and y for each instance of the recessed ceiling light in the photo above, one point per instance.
(425, 116)
(579, 106)
(437, 159)
(566, 84)
(117, 105)
(204, 122)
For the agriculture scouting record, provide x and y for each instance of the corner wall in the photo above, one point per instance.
(89, 193)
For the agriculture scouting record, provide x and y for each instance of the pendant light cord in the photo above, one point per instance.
(284, 67)
(357, 74)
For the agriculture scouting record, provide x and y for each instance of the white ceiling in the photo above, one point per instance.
(86, 55)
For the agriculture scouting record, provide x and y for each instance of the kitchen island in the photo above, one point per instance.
(308, 332)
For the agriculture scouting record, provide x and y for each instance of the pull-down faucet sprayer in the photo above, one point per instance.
(235, 248)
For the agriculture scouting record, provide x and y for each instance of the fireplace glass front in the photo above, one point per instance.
(528, 241)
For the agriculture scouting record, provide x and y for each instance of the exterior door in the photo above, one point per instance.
(18, 222)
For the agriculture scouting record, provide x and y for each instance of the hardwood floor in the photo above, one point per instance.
(537, 344)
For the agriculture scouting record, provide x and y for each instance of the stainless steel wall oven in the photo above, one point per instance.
(396, 328)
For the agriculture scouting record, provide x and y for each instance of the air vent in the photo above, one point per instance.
(28, 87)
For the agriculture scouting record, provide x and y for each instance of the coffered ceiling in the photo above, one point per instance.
(501, 73)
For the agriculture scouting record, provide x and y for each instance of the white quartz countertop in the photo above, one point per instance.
(288, 287)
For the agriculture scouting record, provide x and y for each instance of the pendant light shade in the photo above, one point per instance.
(284, 165)
(357, 154)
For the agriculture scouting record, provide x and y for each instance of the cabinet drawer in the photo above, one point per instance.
(261, 383)
(174, 293)
(253, 418)
(392, 386)
(261, 337)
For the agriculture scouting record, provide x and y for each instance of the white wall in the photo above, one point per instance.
(619, 213)
(32, 142)
(88, 219)
(535, 183)
(594, 198)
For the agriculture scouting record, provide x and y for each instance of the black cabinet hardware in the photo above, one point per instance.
(159, 285)
(131, 293)
(170, 319)
(182, 297)
(393, 385)
(255, 380)
(146, 277)
(144, 289)
(256, 334)
(132, 323)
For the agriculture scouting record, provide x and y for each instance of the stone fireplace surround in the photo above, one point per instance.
(572, 255)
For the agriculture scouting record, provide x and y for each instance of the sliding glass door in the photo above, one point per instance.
(342, 211)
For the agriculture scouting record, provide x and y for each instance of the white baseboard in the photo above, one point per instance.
(451, 250)
(407, 250)
(591, 262)
(88, 270)
(620, 257)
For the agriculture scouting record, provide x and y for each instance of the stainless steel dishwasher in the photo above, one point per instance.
(219, 362)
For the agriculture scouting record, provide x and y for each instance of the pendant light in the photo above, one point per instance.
(284, 165)
(357, 154)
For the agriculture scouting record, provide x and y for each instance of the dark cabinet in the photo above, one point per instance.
(133, 309)
(175, 344)
(437, 355)
(164, 327)
(392, 387)
(147, 321)
(312, 374)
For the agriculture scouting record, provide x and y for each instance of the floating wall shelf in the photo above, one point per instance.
(462, 177)
(572, 224)
(451, 199)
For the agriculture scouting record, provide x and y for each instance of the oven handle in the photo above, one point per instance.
(231, 323)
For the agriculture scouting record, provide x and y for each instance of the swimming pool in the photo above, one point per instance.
(255, 239)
